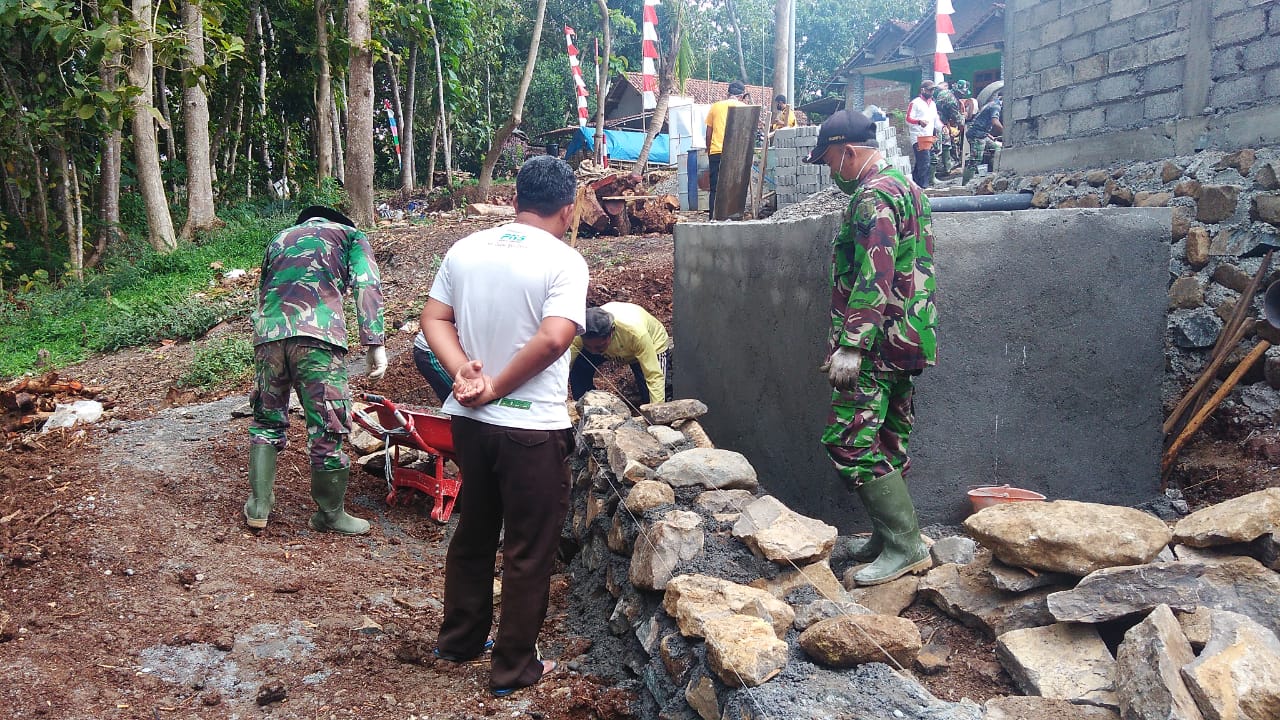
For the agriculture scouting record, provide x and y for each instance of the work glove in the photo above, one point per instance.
(844, 367)
(376, 361)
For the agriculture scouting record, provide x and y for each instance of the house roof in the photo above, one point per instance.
(971, 17)
(705, 92)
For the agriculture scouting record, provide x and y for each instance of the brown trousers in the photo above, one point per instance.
(515, 483)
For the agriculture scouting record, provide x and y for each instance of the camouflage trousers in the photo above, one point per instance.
(318, 372)
(978, 148)
(868, 428)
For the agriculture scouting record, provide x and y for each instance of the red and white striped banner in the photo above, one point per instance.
(649, 52)
(944, 29)
(576, 68)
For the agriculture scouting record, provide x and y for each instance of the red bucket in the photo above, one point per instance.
(984, 497)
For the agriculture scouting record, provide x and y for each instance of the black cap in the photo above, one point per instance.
(846, 126)
(598, 324)
(320, 211)
(737, 88)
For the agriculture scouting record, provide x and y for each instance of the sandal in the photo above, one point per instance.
(548, 667)
(450, 657)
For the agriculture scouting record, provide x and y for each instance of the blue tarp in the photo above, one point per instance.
(622, 144)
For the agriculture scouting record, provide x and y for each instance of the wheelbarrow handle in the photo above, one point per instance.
(405, 424)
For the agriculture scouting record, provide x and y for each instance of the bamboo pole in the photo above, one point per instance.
(1166, 463)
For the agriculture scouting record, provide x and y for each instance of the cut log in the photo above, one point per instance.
(594, 216)
(656, 215)
(491, 210)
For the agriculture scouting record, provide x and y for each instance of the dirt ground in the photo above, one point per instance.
(129, 587)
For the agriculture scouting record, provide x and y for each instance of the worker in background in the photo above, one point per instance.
(922, 124)
(946, 151)
(783, 115)
(981, 135)
(429, 367)
(717, 118)
(627, 333)
(300, 344)
(883, 333)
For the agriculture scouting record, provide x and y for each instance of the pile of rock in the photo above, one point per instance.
(722, 600)
(1226, 209)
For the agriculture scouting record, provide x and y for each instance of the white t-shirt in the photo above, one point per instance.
(501, 283)
(921, 109)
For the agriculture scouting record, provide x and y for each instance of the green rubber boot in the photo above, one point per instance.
(865, 549)
(888, 502)
(329, 490)
(262, 481)
(968, 174)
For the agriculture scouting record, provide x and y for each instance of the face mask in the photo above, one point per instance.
(848, 186)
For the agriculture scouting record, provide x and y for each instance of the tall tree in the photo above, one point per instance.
(442, 116)
(146, 154)
(517, 105)
(408, 171)
(324, 96)
(603, 84)
(781, 48)
(737, 36)
(195, 104)
(359, 174)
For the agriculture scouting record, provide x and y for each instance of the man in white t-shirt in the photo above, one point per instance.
(922, 119)
(501, 314)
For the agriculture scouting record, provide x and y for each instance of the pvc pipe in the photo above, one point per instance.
(975, 203)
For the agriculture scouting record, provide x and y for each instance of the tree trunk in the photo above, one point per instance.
(235, 103)
(359, 181)
(737, 34)
(666, 81)
(64, 199)
(397, 108)
(444, 115)
(431, 157)
(233, 154)
(200, 210)
(170, 144)
(409, 171)
(109, 177)
(146, 154)
(263, 24)
(781, 46)
(324, 96)
(603, 85)
(517, 107)
(339, 160)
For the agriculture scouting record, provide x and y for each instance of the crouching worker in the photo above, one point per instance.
(883, 333)
(300, 344)
(626, 333)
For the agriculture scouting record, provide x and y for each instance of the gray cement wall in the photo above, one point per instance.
(1138, 79)
(1051, 354)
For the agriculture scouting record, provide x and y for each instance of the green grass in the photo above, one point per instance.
(219, 362)
(137, 301)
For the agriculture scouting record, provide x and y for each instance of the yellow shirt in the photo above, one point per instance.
(717, 117)
(785, 118)
(637, 337)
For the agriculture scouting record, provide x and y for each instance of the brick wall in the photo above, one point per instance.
(794, 180)
(1080, 68)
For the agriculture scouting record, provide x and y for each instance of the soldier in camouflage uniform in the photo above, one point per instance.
(300, 344)
(951, 118)
(883, 334)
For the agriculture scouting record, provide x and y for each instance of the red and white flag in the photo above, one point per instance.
(576, 68)
(649, 52)
(944, 29)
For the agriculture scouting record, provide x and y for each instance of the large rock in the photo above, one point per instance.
(649, 494)
(1266, 208)
(673, 411)
(633, 444)
(1065, 661)
(1194, 329)
(1268, 176)
(708, 468)
(1239, 520)
(1217, 202)
(1068, 536)
(743, 651)
(595, 402)
(675, 538)
(965, 593)
(1198, 242)
(1018, 580)
(1240, 585)
(889, 598)
(1237, 676)
(1020, 707)
(779, 534)
(1186, 293)
(816, 575)
(1148, 664)
(852, 640)
(810, 613)
(724, 501)
(700, 693)
(694, 599)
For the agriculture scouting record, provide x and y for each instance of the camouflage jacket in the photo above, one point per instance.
(948, 106)
(882, 280)
(307, 270)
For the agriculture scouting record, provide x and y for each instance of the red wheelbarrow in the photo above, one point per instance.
(423, 431)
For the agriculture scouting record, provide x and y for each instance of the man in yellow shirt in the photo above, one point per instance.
(628, 333)
(717, 116)
(783, 115)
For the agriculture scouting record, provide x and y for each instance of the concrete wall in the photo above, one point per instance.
(1051, 355)
(1091, 80)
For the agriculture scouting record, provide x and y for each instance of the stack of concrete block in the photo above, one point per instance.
(794, 180)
